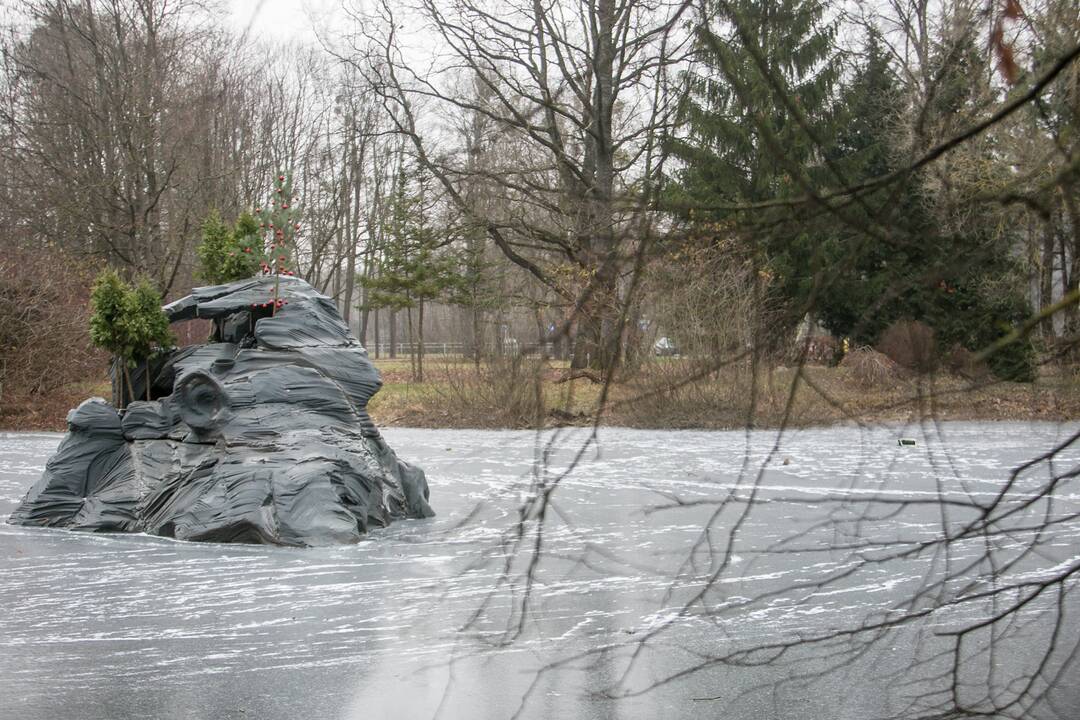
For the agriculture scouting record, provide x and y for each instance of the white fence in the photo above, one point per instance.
(404, 349)
(430, 348)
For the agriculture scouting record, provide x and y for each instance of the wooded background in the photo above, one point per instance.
(755, 180)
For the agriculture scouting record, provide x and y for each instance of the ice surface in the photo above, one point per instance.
(412, 622)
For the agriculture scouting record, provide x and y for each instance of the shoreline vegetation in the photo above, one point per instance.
(520, 393)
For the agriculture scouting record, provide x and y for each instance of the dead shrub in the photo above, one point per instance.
(44, 332)
(502, 392)
(820, 350)
(961, 361)
(706, 297)
(870, 368)
(911, 345)
(687, 394)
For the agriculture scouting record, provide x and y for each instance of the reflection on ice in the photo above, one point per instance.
(132, 627)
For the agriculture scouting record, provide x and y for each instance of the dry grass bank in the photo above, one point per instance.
(673, 394)
(46, 411)
(666, 393)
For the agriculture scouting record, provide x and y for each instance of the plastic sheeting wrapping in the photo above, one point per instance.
(260, 435)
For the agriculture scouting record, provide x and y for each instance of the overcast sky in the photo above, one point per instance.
(283, 19)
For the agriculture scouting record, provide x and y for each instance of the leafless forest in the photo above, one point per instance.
(555, 189)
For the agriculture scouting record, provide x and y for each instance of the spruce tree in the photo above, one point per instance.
(414, 270)
(959, 282)
(279, 223)
(733, 106)
(107, 329)
(759, 97)
(869, 108)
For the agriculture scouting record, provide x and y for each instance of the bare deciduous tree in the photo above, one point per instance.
(576, 90)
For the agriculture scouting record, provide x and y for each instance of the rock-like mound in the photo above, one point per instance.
(261, 435)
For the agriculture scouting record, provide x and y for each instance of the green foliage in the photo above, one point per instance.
(277, 226)
(257, 242)
(733, 112)
(865, 264)
(411, 275)
(890, 261)
(147, 326)
(278, 223)
(246, 231)
(127, 321)
(413, 270)
(107, 307)
(226, 255)
(764, 77)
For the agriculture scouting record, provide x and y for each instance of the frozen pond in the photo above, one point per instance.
(681, 575)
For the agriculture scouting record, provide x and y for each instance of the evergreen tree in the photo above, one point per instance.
(733, 104)
(761, 64)
(107, 307)
(259, 242)
(279, 224)
(868, 268)
(128, 322)
(145, 325)
(961, 283)
(745, 143)
(227, 254)
(413, 271)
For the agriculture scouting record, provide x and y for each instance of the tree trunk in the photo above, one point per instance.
(420, 348)
(477, 334)
(130, 388)
(348, 176)
(1046, 279)
(1070, 251)
(541, 332)
(412, 343)
(117, 384)
(365, 313)
(376, 334)
(393, 334)
(632, 346)
(596, 342)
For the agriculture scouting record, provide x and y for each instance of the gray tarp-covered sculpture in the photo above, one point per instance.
(260, 435)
